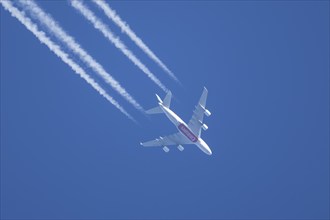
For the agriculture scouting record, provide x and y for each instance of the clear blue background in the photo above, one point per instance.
(67, 153)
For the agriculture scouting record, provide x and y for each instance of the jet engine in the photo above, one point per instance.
(180, 147)
(166, 149)
(205, 127)
(207, 112)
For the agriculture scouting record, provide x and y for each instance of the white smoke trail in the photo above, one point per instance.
(104, 29)
(111, 14)
(58, 32)
(60, 53)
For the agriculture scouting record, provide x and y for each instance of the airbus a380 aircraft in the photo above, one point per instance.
(188, 134)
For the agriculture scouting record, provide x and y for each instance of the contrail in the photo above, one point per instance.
(60, 53)
(58, 32)
(98, 24)
(111, 14)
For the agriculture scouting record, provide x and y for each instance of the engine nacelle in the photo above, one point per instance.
(166, 149)
(180, 147)
(205, 127)
(207, 112)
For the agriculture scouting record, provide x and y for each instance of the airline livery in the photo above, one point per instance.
(188, 133)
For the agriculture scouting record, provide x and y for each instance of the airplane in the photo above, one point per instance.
(188, 133)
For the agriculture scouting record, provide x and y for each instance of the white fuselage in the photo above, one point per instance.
(185, 130)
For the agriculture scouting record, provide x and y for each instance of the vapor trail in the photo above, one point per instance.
(111, 14)
(60, 53)
(58, 31)
(104, 29)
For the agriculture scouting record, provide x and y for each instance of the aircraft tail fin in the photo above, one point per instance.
(165, 102)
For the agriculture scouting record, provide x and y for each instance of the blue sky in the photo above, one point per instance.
(68, 153)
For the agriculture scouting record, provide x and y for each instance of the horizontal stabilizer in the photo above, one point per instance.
(156, 110)
(167, 99)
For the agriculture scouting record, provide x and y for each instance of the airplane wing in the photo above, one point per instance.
(196, 121)
(173, 139)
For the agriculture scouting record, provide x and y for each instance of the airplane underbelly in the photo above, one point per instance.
(186, 132)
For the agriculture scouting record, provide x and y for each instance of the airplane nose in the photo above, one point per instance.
(204, 147)
(207, 149)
